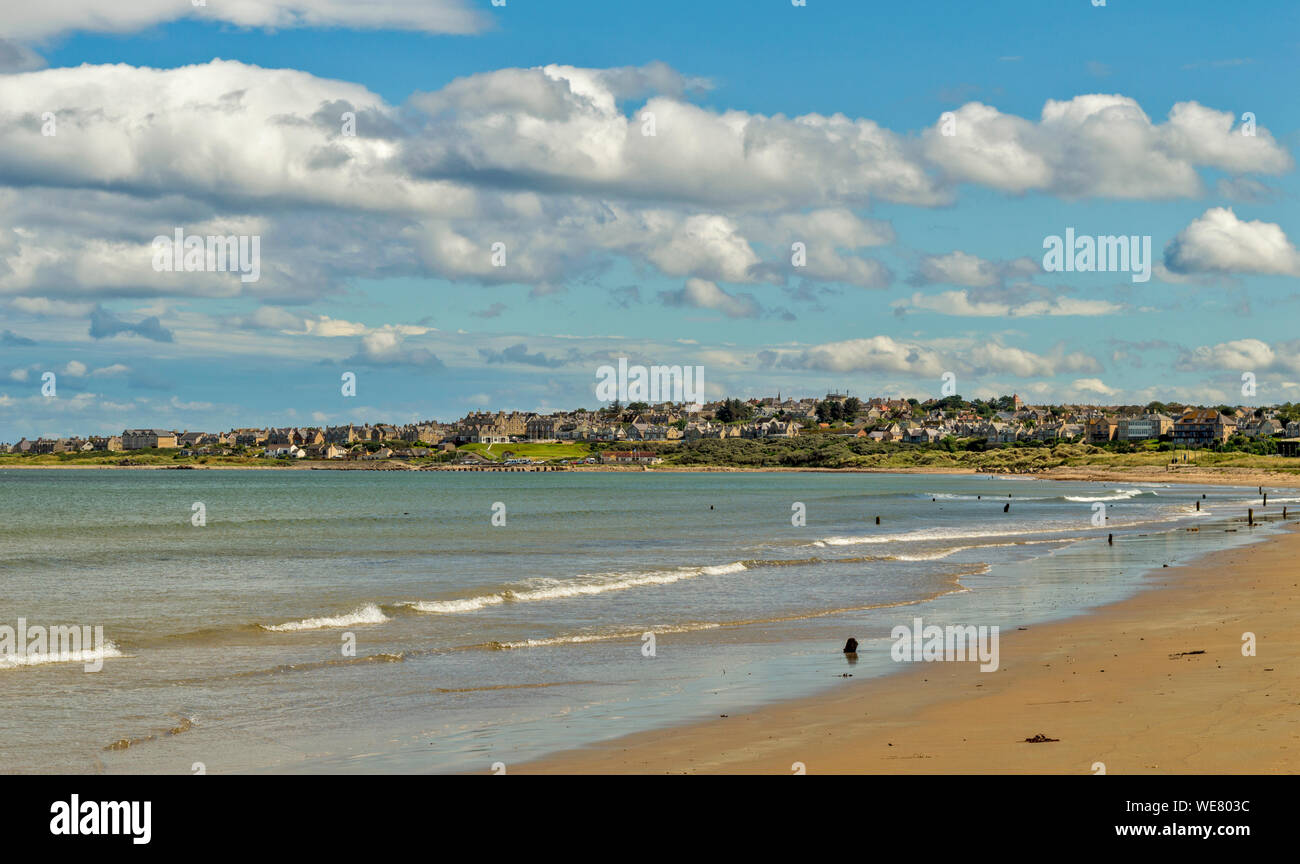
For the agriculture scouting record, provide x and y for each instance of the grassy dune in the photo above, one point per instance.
(496, 452)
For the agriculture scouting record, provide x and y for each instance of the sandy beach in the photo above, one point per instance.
(1184, 474)
(1154, 684)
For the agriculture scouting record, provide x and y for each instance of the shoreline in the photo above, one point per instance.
(1121, 684)
(1186, 474)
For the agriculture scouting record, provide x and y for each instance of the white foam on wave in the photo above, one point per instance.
(469, 604)
(578, 586)
(368, 614)
(955, 496)
(1117, 495)
(931, 534)
(951, 550)
(933, 556)
(88, 655)
(692, 627)
(606, 637)
(939, 554)
(1065, 530)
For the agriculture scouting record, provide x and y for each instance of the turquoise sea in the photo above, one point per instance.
(359, 621)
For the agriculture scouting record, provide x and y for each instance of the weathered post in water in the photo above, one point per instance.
(1250, 516)
(877, 520)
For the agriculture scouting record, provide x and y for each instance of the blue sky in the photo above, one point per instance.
(775, 124)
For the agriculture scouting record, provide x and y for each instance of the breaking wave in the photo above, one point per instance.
(579, 586)
(1117, 495)
(931, 534)
(368, 614)
(953, 585)
(1114, 495)
(89, 655)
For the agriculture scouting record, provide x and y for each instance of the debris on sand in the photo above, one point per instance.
(1040, 738)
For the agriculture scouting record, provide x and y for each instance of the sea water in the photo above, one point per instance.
(335, 621)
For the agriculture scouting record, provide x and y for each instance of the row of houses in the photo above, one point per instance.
(664, 421)
(664, 424)
(1195, 427)
(65, 445)
(880, 419)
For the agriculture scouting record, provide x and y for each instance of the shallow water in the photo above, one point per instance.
(478, 643)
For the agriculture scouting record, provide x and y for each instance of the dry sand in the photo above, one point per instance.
(1108, 684)
(1209, 476)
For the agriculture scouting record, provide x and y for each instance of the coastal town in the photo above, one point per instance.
(638, 431)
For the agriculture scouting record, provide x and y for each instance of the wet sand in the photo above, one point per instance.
(1118, 686)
